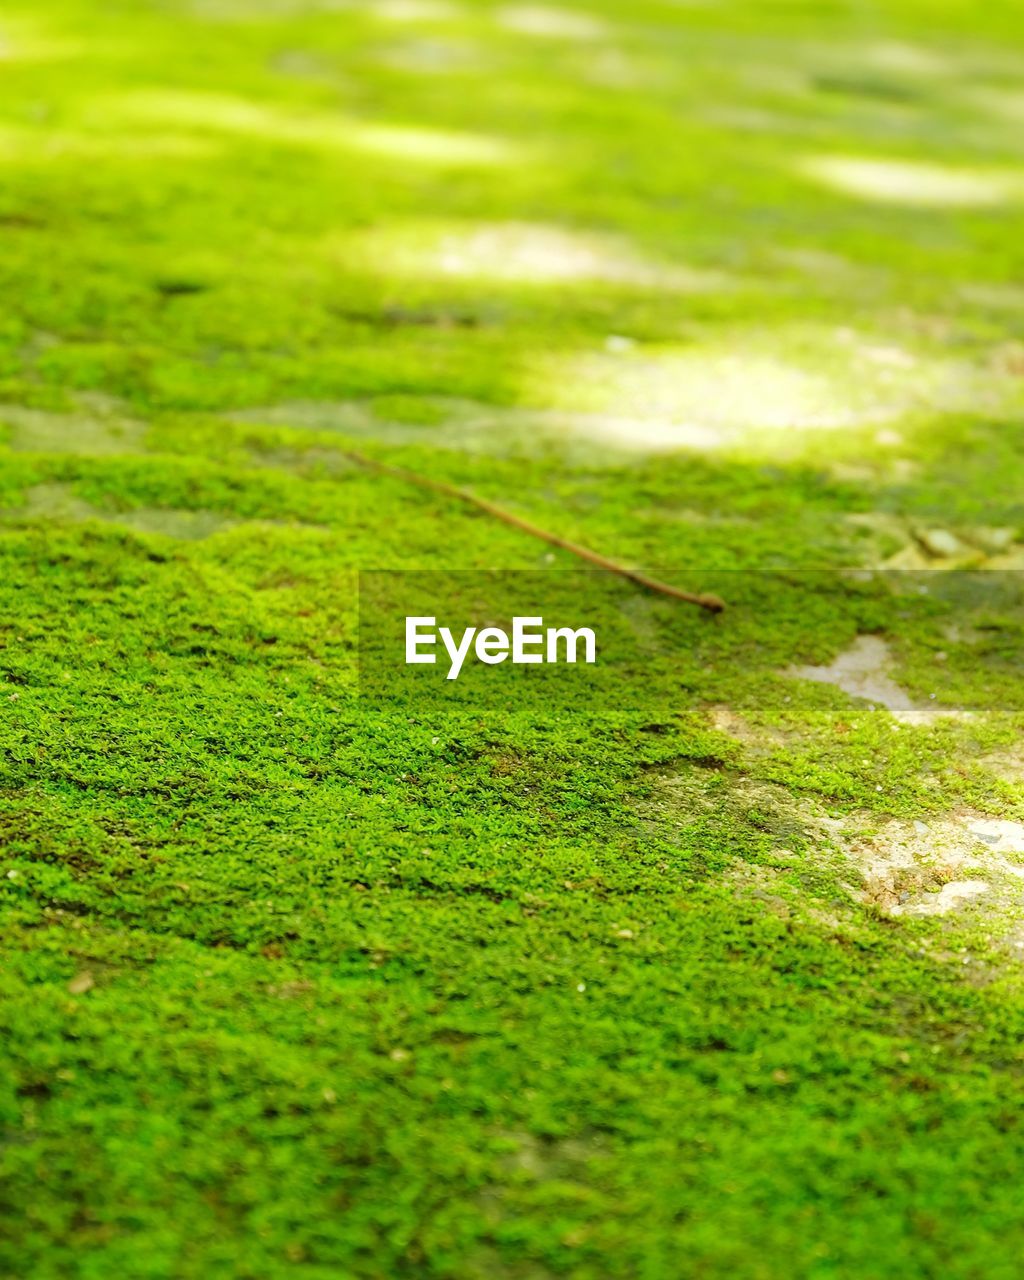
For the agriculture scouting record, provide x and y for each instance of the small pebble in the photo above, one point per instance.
(941, 543)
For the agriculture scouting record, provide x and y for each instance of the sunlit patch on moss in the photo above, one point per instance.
(1006, 105)
(434, 57)
(610, 67)
(415, 10)
(910, 182)
(22, 40)
(257, 11)
(224, 114)
(550, 22)
(527, 253)
(37, 146)
(765, 392)
(475, 428)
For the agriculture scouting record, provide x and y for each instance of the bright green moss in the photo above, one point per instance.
(526, 983)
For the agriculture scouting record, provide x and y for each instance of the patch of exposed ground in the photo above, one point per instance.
(306, 462)
(784, 821)
(97, 427)
(900, 867)
(922, 546)
(346, 417)
(1007, 766)
(932, 868)
(863, 671)
(433, 57)
(779, 890)
(59, 502)
(756, 738)
(619, 402)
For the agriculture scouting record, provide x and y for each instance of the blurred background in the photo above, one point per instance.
(777, 233)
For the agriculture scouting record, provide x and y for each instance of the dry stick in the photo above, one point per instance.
(712, 603)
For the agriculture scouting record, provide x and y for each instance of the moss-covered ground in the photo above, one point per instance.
(641, 971)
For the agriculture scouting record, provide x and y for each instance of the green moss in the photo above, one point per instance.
(306, 972)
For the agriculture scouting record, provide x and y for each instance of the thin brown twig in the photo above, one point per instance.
(712, 603)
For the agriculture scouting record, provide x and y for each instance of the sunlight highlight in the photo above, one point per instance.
(558, 24)
(527, 253)
(769, 392)
(911, 183)
(1005, 104)
(251, 11)
(42, 145)
(712, 392)
(22, 41)
(906, 59)
(414, 10)
(433, 57)
(430, 146)
(241, 116)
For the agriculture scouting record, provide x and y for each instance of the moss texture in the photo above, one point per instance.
(551, 978)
